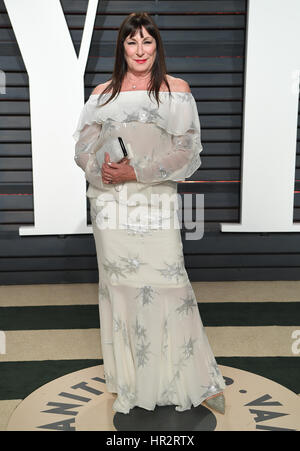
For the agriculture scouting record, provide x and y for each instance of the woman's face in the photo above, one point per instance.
(140, 52)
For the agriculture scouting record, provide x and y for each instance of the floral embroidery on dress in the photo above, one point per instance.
(110, 127)
(215, 373)
(185, 97)
(120, 325)
(114, 270)
(103, 291)
(188, 351)
(142, 353)
(143, 115)
(146, 294)
(188, 348)
(136, 229)
(142, 348)
(127, 394)
(139, 330)
(188, 304)
(175, 269)
(165, 345)
(132, 264)
(109, 379)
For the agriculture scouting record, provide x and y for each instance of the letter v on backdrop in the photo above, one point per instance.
(56, 87)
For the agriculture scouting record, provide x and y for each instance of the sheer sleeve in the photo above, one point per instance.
(182, 158)
(86, 134)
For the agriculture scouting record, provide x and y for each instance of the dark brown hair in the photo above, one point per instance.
(129, 26)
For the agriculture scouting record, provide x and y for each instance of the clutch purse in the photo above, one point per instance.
(116, 149)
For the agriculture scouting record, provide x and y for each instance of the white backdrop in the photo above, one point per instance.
(270, 117)
(56, 87)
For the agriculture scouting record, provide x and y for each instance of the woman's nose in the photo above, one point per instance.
(140, 50)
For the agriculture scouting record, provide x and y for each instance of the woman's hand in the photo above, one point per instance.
(117, 172)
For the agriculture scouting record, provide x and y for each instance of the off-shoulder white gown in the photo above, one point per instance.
(155, 349)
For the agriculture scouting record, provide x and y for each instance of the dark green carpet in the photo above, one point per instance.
(19, 379)
(216, 314)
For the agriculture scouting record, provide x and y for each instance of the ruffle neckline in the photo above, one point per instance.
(176, 114)
(144, 90)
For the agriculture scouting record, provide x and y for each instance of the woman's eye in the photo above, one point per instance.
(147, 42)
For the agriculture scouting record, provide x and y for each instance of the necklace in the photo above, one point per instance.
(139, 78)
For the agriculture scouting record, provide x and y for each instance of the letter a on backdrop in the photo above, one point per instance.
(270, 117)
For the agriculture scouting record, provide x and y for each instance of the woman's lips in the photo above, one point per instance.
(140, 61)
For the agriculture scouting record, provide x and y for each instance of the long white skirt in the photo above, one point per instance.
(154, 346)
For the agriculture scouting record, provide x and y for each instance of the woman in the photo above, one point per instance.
(154, 346)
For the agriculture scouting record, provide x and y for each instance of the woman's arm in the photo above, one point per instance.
(85, 158)
(178, 164)
(182, 159)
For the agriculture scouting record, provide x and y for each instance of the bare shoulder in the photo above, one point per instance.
(99, 88)
(178, 84)
(182, 85)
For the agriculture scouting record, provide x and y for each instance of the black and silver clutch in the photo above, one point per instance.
(116, 149)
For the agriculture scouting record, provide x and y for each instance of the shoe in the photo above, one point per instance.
(217, 403)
